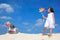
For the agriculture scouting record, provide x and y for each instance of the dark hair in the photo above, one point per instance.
(12, 26)
(51, 9)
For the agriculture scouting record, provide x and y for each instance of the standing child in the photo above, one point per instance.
(50, 21)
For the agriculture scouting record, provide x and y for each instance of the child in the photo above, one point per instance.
(12, 29)
(50, 21)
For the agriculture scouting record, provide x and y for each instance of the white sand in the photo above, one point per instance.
(21, 36)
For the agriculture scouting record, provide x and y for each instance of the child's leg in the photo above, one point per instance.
(50, 32)
(44, 30)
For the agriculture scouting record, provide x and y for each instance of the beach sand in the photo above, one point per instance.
(22, 36)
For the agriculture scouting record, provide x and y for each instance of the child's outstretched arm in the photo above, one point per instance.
(44, 17)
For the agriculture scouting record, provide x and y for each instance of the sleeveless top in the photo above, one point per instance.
(49, 18)
(14, 29)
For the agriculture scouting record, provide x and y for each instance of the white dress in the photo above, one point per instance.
(49, 21)
(14, 29)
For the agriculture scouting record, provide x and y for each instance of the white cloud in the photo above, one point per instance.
(28, 30)
(18, 6)
(5, 17)
(2, 25)
(56, 24)
(6, 7)
(39, 22)
(25, 23)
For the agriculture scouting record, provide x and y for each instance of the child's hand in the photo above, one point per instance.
(54, 23)
(43, 16)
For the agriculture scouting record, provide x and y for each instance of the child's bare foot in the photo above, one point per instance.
(43, 34)
(50, 35)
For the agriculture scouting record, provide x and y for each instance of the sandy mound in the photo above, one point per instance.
(21, 36)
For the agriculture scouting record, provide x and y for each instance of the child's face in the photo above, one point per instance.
(11, 27)
(49, 10)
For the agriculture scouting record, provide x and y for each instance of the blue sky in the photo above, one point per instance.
(24, 14)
